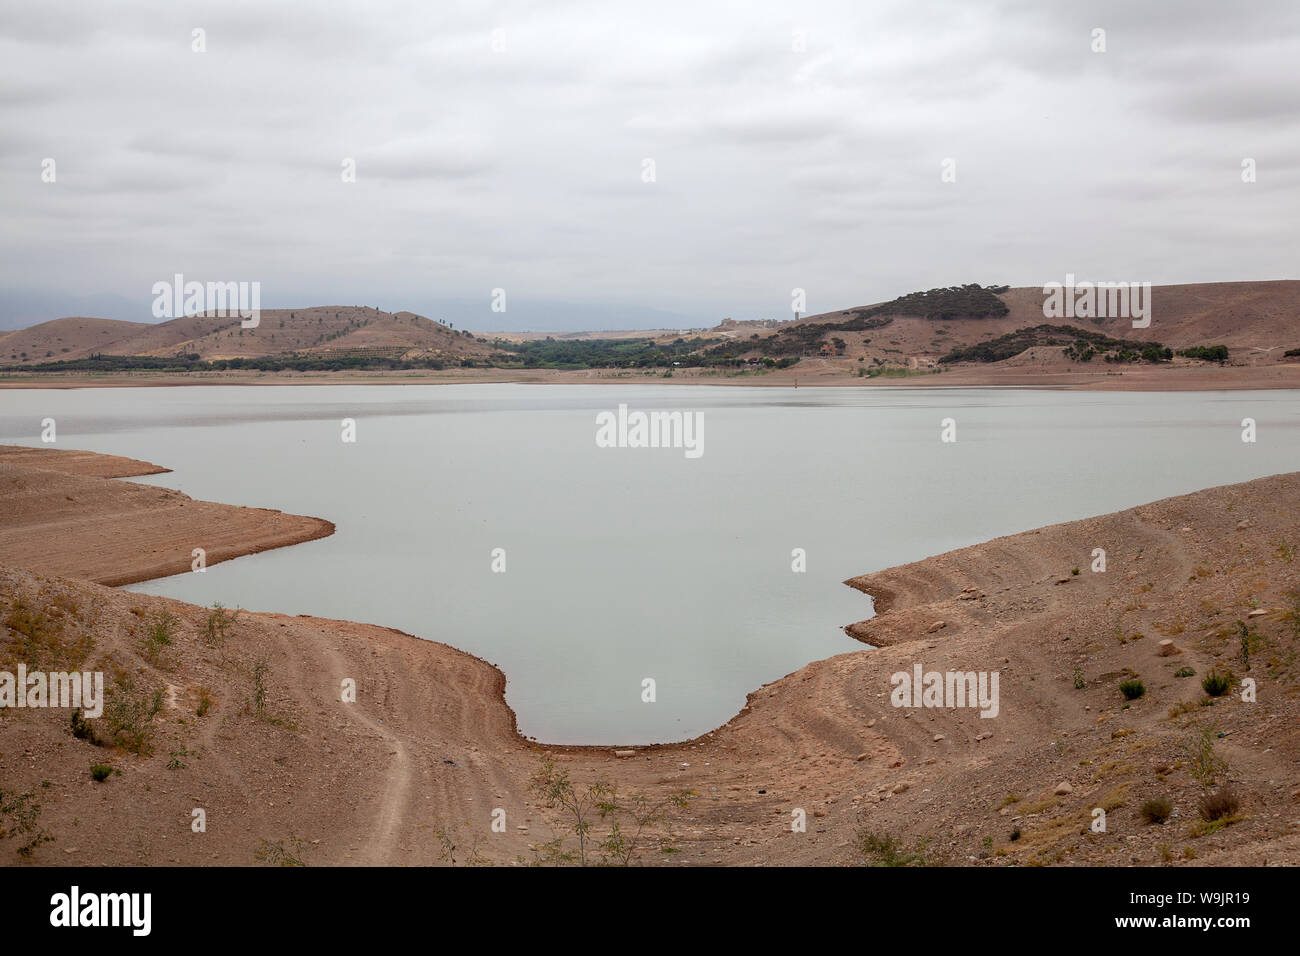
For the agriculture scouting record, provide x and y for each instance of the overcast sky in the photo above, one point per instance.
(503, 146)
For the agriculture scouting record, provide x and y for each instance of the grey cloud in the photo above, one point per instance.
(521, 167)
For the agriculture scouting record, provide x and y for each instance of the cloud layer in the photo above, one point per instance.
(793, 145)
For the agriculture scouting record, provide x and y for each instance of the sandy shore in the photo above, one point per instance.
(430, 746)
(61, 514)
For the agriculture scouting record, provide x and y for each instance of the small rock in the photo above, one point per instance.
(938, 737)
(936, 626)
(624, 753)
(1062, 789)
(862, 757)
(1258, 612)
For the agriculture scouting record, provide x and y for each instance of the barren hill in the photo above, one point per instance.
(318, 330)
(72, 337)
(1256, 320)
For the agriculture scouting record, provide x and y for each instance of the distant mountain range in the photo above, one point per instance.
(1257, 320)
(21, 310)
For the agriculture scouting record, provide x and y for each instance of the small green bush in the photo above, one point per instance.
(1156, 810)
(99, 772)
(1215, 684)
(1132, 689)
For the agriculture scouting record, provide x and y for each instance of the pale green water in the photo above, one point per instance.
(625, 564)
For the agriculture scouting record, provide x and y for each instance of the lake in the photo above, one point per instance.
(623, 564)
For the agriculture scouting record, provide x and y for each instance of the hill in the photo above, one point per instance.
(322, 331)
(1256, 320)
(73, 337)
(984, 324)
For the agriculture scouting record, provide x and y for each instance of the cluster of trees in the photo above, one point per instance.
(1081, 345)
(1210, 353)
(971, 301)
(1150, 353)
(612, 353)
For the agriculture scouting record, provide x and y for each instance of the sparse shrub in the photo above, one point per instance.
(160, 632)
(884, 850)
(1079, 682)
(1215, 684)
(1249, 642)
(260, 669)
(41, 639)
(19, 813)
(277, 854)
(1185, 672)
(163, 626)
(625, 818)
(218, 627)
(1203, 763)
(99, 772)
(205, 702)
(83, 729)
(1132, 689)
(452, 842)
(1156, 809)
(129, 718)
(1219, 804)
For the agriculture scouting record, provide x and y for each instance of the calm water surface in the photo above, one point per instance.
(624, 564)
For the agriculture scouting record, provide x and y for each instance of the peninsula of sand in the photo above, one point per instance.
(248, 718)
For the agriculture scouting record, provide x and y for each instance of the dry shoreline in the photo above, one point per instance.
(64, 514)
(430, 741)
(809, 373)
